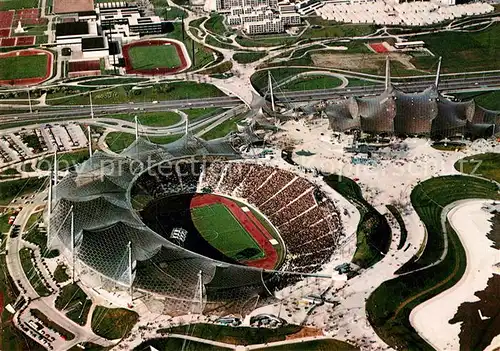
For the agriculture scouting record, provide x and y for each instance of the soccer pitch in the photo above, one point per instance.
(154, 56)
(223, 231)
(17, 67)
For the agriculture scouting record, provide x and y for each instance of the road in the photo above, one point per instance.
(55, 112)
(449, 85)
(44, 304)
(453, 85)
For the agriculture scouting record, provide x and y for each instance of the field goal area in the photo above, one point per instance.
(223, 230)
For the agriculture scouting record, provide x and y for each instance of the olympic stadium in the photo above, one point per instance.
(132, 221)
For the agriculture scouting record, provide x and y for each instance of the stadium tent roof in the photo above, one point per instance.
(415, 112)
(452, 118)
(396, 112)
(377, 113)
(105, 222)
(343, 115)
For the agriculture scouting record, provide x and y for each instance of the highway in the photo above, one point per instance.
(445, 85)
(55, 112)
(450, 85)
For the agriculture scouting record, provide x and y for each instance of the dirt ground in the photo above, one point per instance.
(359, 61)
(304, 333)
(476, 334)
(71, 6)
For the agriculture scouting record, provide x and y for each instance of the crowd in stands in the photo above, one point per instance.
(307, 221)
(310, 228)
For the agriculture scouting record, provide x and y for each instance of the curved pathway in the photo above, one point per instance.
(471, 223)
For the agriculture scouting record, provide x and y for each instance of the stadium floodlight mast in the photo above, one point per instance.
(200, 286)
(436, 83)
(91, 105)
(29, 100)
(73, 253)
(270, 82)
(136, 128)
(131, 278)
(55, 166)
(387, 73)
(90, 140)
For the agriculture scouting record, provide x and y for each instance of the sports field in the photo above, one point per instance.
(17, 4)
(154, 56)
(16, 67)
(221, 229)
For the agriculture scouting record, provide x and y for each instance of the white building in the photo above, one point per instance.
(263, 18)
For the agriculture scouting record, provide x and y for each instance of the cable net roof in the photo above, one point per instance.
(98, 193)
(396, 112)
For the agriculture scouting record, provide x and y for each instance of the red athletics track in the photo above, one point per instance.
(247, 220)
(29, 81)
(160, 70)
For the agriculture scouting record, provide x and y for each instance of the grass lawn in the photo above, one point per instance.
(314, 345)
(113, 81)
(10, 172)
(150, 119)
(34, 278)
(124, 94)
(38, 237)
(202, 55)
(197, 113)
(223, 231)
(34, 218)
(266, 41)
(259, 79)
(60, 274)
(74, 302)
(11, 338)
(234, 335)
(404, 232)
(215, 24)
(174, 344)
(222, 129)
(113, 323)
(147, 57)
(390, 305)
(118, 141)
(171, 14)
(482, 165)
(64, 161)
(23, 66)
(313, 82)
(4, 222)
(17, 4)
(330, 29)
(11, 189)
(248, 57)
(52, 325)
(489, 100)
(373, 232)
(462, 51)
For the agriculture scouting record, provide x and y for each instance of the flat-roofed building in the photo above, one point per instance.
(73, 32)
(95, 47)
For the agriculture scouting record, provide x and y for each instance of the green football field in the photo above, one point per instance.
(16, 67)
(223, 231)
(154, 56)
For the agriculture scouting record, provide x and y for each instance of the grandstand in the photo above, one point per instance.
(94, 224)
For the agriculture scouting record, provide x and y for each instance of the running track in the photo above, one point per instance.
(160, 70)
(29, 81)
(251, 224)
